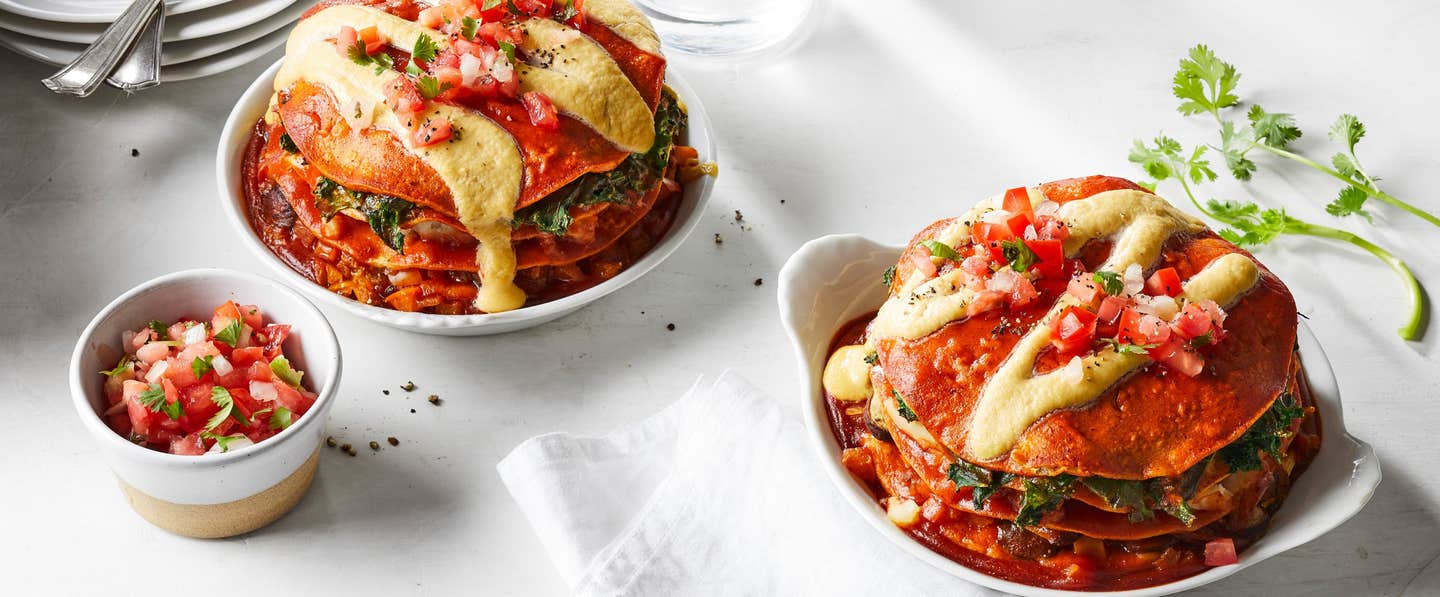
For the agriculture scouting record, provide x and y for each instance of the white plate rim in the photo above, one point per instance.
(172, 7)
(55, 52)
(248, 109)
(178, 28)
(191, 69)
(829, 261)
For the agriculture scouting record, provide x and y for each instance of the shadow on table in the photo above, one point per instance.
(1379, 552)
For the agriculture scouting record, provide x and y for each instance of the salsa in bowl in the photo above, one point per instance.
(235, 489)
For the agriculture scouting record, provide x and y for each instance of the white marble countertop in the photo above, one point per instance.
(883, 122)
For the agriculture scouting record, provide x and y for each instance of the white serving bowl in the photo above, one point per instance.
(834, 279)
(214, 495)
(692, 207)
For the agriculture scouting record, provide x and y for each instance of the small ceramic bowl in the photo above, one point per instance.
(214, 495)
(252, 106)
(834, 279)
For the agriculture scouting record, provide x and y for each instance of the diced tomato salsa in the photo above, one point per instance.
(194, 387)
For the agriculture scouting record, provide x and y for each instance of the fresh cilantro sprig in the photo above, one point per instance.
(162, 331)
(202, 365)
(153, 398)
(222, 398)
(424, 49)
(380, 61)
(230, 334)
(281, 418)
(468, 26)
(888, 276)
(1250, 225)
(1205, 84)
(1110, 282)
(1127, 348)
(430, 86)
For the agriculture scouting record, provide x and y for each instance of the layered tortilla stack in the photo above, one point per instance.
(467, 156)
(1076, 386)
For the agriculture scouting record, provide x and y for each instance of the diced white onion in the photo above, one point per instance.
(470, 67)
(502, 70)
(903, 512)
(1047, 208)
(1134, 279)
(195, 334)
(263, 390)
(221, 365)
(995, 216)
(1030, 233)
(1074, 371)
(1163, 307)
(157, 370)
(1004, 280)
(247, 335)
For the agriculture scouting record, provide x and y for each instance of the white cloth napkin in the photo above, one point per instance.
(716, 495)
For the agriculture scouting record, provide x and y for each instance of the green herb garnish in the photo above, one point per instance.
(508, 48)
(162, 331)
(383, 212)
(125, 367)
(222, 440)
(281, 418)
(871, 358)
(231, 333)
(903, 409)
(221, 397)
(153, 398)
(1251, 226)
(425, 48)
(1042, 495)
(1126, 348)
(381, 61)
(288, 144)
(941, 250)
(469, 25)
(888, 276)
(1122, 494)
(201, 365)
(1018, 254)
(280, 366)
(429, 86)
(566, 11)
(983, 482)
(1110, 282)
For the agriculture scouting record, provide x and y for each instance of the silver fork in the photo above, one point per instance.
(141, 68)
(83, 75)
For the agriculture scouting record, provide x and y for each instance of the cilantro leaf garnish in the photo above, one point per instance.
(489, 4)
(223, 441)
(424, 49)
(280, 366)
(469, 25)
(1018, 254)
(231, 333)
(566, 11)
(1250, 225)
(281, 418)
(508, 48)
(430, 86)
(162, 331)
(288, 144)
(941, 250)
(888, 276)
(1205, 83)
(1126, 348)
(1205, 339)
(153, 398)
(125, 367)
(380, 61)
(201, 365)
(1109, 281)
(903, 409)
(872, 358)
(222, 398)
(1350, 201)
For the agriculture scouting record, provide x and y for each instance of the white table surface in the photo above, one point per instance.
(881, 123)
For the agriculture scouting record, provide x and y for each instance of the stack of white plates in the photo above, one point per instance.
(202, 37)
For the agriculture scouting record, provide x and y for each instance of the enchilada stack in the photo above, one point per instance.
(1076, 386)
(467, 156)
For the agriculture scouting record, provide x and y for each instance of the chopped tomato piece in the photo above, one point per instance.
(1176, 354)
(986, 300)
(243, 357)
(189, 445)
(369, 34)
(345, 39)
(1023, 293)
(496, 32)
(542, 112)
(1141, 329)
(923, 264)
(1051, 228)
(1050, 256)
(1165, 282)
(1017, 201)
(275, 335)
(1085, 290)
(1192, 322)
(1073, 331)
(532, 7)
(1110, 308)
(1221, 552)
(1017, 224)
(977, 264)
(432, 17)
(402, 97)
(433, 131)
(988, 232)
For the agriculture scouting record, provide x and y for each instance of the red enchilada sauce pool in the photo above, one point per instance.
(971, 539)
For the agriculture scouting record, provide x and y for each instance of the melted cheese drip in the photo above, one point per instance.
(847, 375)
(626, 20)
(481, 165)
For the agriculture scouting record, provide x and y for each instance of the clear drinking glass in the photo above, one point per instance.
(727, 27)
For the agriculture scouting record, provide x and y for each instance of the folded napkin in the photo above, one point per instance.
(716, 495)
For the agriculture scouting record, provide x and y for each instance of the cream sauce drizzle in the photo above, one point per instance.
(482, 166)
(626, 20)
(847, 375)
(582, 80)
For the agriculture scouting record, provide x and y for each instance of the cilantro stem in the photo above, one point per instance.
(1366, 185)
(1412, 330)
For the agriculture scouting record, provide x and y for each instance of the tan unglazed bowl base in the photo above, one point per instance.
(213, 521)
